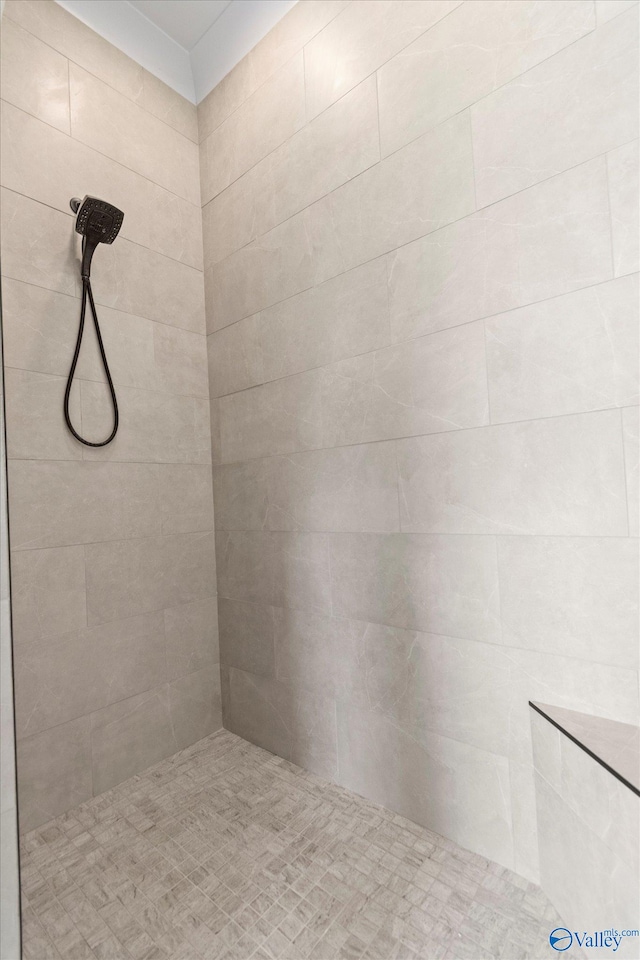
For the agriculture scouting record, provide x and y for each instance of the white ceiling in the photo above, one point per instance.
(186, 22)
(190, 44)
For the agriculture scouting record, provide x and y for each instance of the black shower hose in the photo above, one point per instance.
(87, 294)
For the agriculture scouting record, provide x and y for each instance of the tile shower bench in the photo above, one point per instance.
(587, 774)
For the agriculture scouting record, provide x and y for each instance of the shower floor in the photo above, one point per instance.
(226, 851)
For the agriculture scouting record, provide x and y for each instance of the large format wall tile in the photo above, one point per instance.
(631, 436)
(113, 125)
(191, 631)
(352, 489)
(575, 596)
(185, 497)
(34, 77)
(35, 424)
(446, 786)
(48, 596)
(38, 244)
(194, 706)
(424, 386)
(128, 577)
(562, 476)
(343, 317)
(54, 772)
(608, 9)
(64, 678)
(72, 38)
(300, 729)
(289, 569)
(548, 240)
(523, 133)
(465, 56)
(408, 195)
(278, 417)
(130, 735)
(334, 148)
(359, 40)
(573, 353)
(282, 42)
(154, 217)
(247, 636)
(155, 427)
(269, 117)
(440, 584)
(622, 166)
(55, 503)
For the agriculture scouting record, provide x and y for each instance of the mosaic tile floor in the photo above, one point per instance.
(225, 851)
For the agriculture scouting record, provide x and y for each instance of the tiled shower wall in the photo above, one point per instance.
(113, 574)
(420, 254)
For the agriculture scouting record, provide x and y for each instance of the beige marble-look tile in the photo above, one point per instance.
(353, 488)
(130, 735)
(570, 354)
(154, 427)
(283, 41)
(426, 385)
(575, 596)
(185, 497)
(181, 361)
(343, 317)
(361, 39)
(608, 9)
(134, 279)
(54, 772)
(48, 593)
(247, 636)
(538, 125)
(59, 679)
(36, 429)
(467, 55)
(167, 105)
(631, 437)
(622, 167)
(194, 705)
(559, 476)
(288, 569)
(129, 577)
(38, 244)
(439, 584)
(435, 781)
(154, 217)
(191, 631)
(321, 156)
(75, 40)
(476, 693)
(278, 417)
(130, 135)
(34, 77)
(590, 879)
(418, 190)
(55, 503)
(265, 120)
(300, 729)
(546, 241)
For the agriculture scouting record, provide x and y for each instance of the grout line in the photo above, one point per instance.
(505, 647)
(376, 72)
(472, 214)
(624, 469)
(70, 216)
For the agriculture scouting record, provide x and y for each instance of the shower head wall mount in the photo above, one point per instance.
(97, 222)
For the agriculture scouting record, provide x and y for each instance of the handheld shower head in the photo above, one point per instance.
(98, 222)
